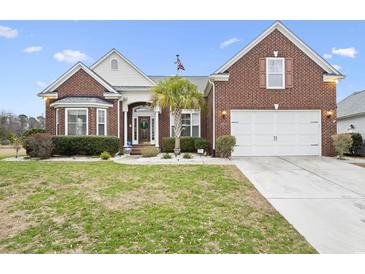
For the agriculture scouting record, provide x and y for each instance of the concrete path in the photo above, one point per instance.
(323, 198)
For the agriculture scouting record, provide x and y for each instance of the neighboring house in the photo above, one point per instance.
(351, 115)
(277, 96)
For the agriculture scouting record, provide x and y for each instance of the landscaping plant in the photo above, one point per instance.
(356, 143)
(225, 145)
(39, 145)
(187, 156)
(149, 151)
(342, 143)
(105, 155)
(166, 156)
(201, 143)
(177, 93)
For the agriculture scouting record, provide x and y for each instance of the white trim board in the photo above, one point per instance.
(293, 38)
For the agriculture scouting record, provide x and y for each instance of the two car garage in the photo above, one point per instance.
(276, 132)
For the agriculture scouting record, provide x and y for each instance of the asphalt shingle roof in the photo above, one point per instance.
(199, 81)
(82, 100)
(352, 105)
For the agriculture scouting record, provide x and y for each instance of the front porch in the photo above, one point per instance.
(141, 124)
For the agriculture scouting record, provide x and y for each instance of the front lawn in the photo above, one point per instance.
(104, 207)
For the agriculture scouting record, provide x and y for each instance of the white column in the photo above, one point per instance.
(125, 115)
(157, 129)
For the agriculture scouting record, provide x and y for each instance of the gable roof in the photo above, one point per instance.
(126, 60)
(293, 38)
(199, 81)
(60, 80)
(352, 105)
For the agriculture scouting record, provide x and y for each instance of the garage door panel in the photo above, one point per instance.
(297, 133)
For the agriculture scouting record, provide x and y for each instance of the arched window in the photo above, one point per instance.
(114, 64)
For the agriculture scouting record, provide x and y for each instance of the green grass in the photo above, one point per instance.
(105, 207)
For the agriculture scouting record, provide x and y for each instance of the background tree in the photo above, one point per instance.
(177, 93)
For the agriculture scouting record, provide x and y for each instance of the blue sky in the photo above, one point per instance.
(34, 53)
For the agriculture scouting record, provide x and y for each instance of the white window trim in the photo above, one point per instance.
(188, 111)
(57, 120)
(66, 119)
(105, 121)
(267, 72)
(111, 65)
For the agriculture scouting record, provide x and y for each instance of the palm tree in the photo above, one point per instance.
(177, 93)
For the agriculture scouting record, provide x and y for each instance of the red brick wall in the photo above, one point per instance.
(164, 124)
(80, 84)
(242, 91)
(209, 124)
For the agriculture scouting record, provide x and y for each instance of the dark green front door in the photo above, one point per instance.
(144, 130)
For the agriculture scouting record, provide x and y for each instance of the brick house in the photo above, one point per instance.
(276, 96)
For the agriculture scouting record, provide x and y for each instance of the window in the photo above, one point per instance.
(76, 122)
(101, 122)
(57, 121)
(114, 64)
(190, 125)
(275, 73)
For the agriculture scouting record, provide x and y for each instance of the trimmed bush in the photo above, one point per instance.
(356, 143)
(105, 155)
(187, 156)
(39, 145)
(187, 144)
(149, 151)
(201, 143)
(32, 131)
(5, 142)
(342, 143)
(85, 145)
(225, 145)
(166, 156)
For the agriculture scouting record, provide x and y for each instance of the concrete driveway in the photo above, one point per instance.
(323, 198)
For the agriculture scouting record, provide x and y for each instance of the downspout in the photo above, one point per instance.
(213, 144)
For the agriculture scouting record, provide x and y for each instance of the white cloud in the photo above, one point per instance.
(33, 49)
(346, 52)
(8, 32)
(327, 56)
(71, 56)
(336, 66)
(40, 84)
(228, 42)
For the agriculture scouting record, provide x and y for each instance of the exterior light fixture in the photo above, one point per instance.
(276, 53)
(224, 114)
(329, 113)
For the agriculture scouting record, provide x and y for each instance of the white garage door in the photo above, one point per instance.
(276, 133)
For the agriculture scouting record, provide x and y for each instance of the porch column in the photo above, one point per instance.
(157, 133)
(125, 127)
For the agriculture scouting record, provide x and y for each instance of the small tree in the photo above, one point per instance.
(177, 93)
(342, 143)
(17, 144)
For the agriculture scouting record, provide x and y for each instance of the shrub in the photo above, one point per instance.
(149, 151)
(166, 156)
(39, 145)
(85, 145)
(105, 155)
(186, 144)
(5, 142)
(225, 145)
(201, 143)
(187, 156)
(342, 143)
(356, 143)
(32, 131)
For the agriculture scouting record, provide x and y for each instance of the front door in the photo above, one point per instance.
(144, 129)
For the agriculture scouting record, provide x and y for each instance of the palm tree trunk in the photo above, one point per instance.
(177, 124)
